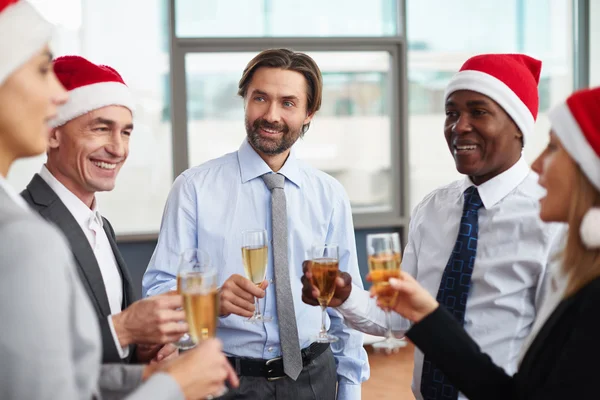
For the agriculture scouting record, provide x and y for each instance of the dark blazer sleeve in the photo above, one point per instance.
(445, 342)
(574, 369)
(562, 366)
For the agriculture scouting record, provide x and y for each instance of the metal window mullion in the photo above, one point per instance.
(178, 99)
(581, 44)
(244, 44)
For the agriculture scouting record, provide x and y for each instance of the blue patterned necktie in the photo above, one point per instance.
(454, 291)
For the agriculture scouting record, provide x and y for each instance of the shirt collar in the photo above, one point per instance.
(12, 193)
(497, 188)
(84, 216)
(252, 165)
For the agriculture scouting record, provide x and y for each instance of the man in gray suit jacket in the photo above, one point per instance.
(88, 146)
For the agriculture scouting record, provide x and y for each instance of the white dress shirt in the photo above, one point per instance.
(508, 282)
(91, 223)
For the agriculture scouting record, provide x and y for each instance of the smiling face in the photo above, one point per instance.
(29, 99)
(557, 174)
(482, 138)
(87, 153)
(276, 110)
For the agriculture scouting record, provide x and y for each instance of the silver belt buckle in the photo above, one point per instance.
(269, 371)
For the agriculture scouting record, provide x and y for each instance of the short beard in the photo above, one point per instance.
(271, 146)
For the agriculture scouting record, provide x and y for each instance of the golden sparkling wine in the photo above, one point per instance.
(324, 271)
(255, 263)
(383, 268)
(178, 284)
(201, 310)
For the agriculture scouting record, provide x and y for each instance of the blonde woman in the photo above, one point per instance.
(560, 360)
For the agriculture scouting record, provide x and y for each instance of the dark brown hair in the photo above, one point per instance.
(288, 60)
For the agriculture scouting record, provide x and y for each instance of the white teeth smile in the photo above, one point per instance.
(269, 130)
(104, 165)
(470, 147)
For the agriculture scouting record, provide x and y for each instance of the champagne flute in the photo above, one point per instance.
(188, 261)
(397, 251)
(255, 255)
(383, 251)
(324, 267)
(200, 298)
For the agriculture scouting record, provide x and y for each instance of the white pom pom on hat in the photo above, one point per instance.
(590, 228)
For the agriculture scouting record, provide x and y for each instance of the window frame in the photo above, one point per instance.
(395, 46)
(398, 216)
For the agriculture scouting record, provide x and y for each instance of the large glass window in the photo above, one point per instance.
(439, 42)
(138, 51)
(349, 138)
(264, 18)
(594, 43)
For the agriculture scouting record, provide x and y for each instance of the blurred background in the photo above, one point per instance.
(385, 64)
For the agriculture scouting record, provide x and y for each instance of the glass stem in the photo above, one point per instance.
(323, 315)
(388, 317)
(256, 308)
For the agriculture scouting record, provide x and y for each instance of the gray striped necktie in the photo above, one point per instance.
(288, 331)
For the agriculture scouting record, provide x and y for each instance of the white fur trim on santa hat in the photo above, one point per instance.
(498, 91)
(572, 138)
(23, 32)
(92, 97)
(590, 228)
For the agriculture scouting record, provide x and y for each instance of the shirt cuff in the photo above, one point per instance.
(356, 303)
(123, 352)
(348, 391)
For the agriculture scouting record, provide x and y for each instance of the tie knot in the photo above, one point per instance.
(472, 199)
(273, 181)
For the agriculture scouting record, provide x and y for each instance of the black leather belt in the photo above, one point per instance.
(273, 369)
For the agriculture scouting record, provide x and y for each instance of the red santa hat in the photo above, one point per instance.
(511, 80)
(90, 87)
(576, 122)
(23, 32)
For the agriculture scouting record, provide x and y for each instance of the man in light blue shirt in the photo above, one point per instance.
(212, 204)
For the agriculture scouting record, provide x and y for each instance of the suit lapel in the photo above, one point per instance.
(54, 210)
(128, 293)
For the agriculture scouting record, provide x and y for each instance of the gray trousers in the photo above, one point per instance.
(317, 381)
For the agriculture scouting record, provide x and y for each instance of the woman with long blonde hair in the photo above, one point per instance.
(561, 355)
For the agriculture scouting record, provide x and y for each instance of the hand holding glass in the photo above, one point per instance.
(384, 255)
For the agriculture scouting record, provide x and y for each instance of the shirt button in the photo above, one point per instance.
(270, 349)
(270, 280)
